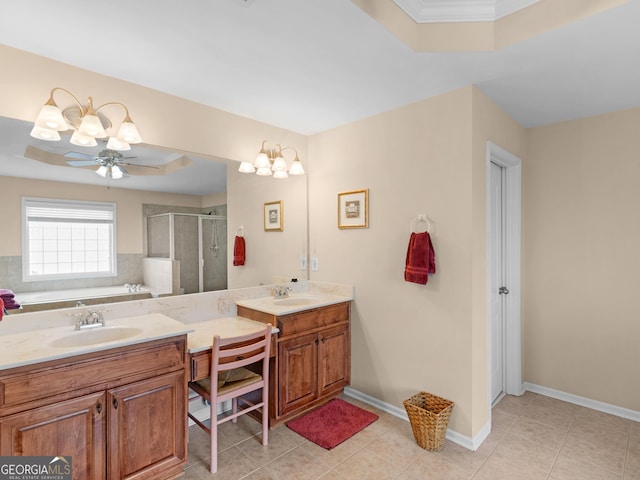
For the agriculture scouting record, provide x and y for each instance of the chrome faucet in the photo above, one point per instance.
(281, 292)
(92, 319)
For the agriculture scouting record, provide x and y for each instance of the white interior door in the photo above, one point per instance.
(497, 288)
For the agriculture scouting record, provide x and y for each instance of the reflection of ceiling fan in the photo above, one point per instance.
(110, 163)
(163, 164)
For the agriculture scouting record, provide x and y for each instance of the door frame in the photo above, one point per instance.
(512, 234)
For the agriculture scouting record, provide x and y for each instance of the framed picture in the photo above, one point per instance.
(353, 209)
(273, 220)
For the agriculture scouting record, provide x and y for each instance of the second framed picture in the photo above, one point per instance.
(273, 217)
(353, 209)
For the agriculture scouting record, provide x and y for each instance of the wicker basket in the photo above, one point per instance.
(429, 417)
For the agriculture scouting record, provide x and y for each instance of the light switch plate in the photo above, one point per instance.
(314, 263)
(303, 262)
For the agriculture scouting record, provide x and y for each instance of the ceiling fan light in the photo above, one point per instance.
(82, 141)
(246, 167)
(280, 174)
(128, 132)
(102, 171)
(45, 134)
(296, 167)
(50, 117)
(116, 144)
(91, 126)
(263, 171)
(117, 172)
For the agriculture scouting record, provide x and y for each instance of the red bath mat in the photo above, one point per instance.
(333, 423)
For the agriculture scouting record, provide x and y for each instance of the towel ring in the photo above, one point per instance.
(422, 218)
(240, 231)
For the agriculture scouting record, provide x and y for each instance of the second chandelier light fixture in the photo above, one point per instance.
(87, 121)
(271, 162)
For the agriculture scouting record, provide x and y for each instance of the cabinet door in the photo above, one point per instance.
(73, 428)
(334, 359)
(147, 428)
(297, 372)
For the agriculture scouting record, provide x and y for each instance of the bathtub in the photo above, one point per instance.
(36, 301)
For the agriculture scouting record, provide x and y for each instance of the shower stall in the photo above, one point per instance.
(198, 242)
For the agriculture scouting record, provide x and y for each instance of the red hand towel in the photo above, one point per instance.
(421, 259)
(1, 309)
(239, 250)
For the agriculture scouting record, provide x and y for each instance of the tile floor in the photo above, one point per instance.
(533, 437)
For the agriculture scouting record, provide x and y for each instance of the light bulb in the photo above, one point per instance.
(51, 117)
(246, 167)
(82, 140)
(45, 134)
(91, 126)
(115, 144)
(128, 132)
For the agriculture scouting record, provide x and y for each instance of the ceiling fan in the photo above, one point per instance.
(110, 162)
(163, 164)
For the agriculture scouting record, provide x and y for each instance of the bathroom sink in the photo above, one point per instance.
(98, 335)
(295, 301)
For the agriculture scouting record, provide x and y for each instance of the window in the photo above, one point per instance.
(67, 239)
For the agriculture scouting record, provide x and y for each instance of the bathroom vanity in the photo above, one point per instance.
(118, 410)
(313, 351)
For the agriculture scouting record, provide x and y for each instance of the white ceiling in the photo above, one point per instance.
(309, 65)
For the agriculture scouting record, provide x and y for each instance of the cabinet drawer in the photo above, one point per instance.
(313, 319)
(68, 375)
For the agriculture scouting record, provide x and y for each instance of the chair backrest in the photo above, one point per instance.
(235, 352)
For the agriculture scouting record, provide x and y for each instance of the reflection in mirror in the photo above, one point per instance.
(188, 191)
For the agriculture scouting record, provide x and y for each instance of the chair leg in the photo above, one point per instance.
(234, 408)
(214, 438)
(265, 418)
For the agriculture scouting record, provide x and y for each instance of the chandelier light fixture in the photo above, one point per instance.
(270, 162)
(88, 124)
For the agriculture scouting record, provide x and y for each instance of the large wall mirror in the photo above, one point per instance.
(171, 207)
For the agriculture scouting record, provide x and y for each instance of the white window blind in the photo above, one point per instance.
(67, 239)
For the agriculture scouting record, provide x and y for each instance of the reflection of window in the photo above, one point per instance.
(67, 239)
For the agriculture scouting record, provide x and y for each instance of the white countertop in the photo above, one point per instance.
(307, 301)
(35, 346)
(202, 336)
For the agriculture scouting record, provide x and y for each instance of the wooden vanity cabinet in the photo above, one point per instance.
(121, 413)
(71, 427)
(313, 361)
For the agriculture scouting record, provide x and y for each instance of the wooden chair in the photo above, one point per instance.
(229, 356)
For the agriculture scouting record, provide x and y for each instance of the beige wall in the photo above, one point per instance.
(582, 232)
(428, 157)
(173, 123)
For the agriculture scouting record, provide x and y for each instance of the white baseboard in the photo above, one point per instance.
(453, 436)
(583, 402)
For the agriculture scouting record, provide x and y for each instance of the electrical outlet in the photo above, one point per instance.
(314, 263)
(303, 262)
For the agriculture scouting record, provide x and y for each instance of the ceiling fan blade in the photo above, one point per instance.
(138, 165)
(82, 163)
(79, 155)
(135, 170)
